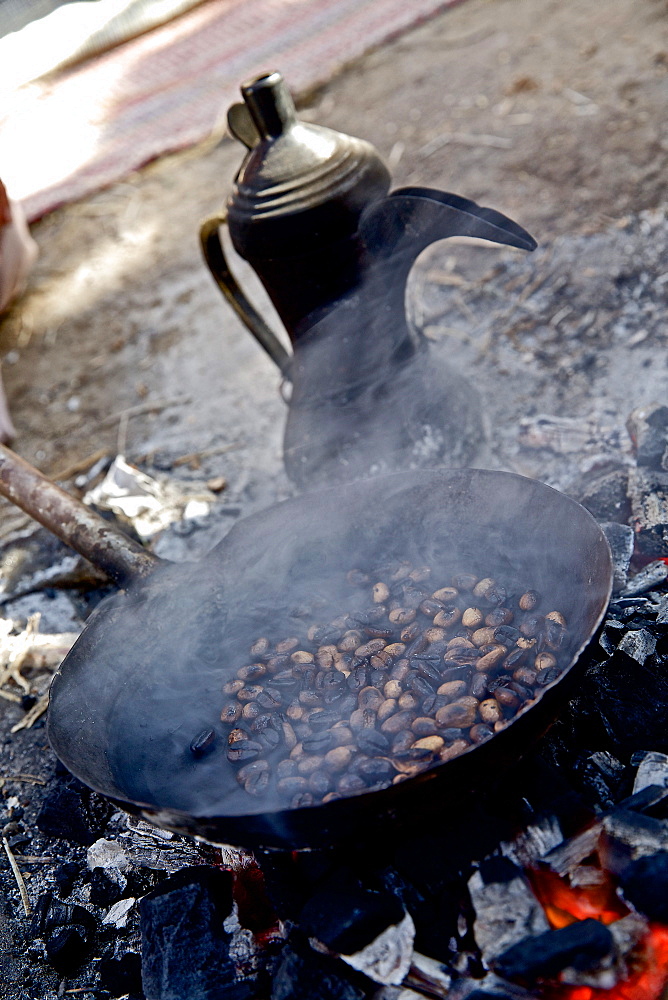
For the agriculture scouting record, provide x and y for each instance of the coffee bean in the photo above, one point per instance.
(371, 741)
(318, 743)
(244, 750)
(529, 600)
(337, 759)
(375, 769)
(480, 733)
(371, 698)
(400, 720)
(231, 713)
(461, 713)
(203, 743)
(473, 618)
(254, 777)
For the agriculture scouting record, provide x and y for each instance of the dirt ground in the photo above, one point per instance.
(553, 113)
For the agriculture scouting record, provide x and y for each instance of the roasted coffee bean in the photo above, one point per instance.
(452, 689)
(244, 750)
(417, 647)
(506, 698)
(506, 634)
(400, 720)
(526, 643)
(254, 777)
(302, 800)
(250, 692)
(292, 785)
(480, 732)
(287, 645)
(309, 763)
(446, 594)
(309, 698)
(323, 720)
(545, 661)
(547, 676)
(372, 742)
(430, 607)
(430, 704)
(499, 616)
(362, 718)
(525, 675)
(420, 686)
(231, 713)
(490, 661)
(451, 734)
(270, 699)
(490, 711)
(377, 678)
(428, 670)
(479, 685)
(318, 743)
(286, 768)
(379, 632)
(524, 693)
(370, 698)
(373, 614)
(203, 743)
(433, 744)
(461, 713)
(453, 750)
(483, 636)
(414, 596)
(322, 635)
(473, 618)
(388, 708)
(285, 681)
(250, 711)
(319, 783)
(251, 672)
(337, 759)
(531, 625)
(455, 673)
(448, 617)
(349, 784)
(332, 687)
(402, 740)
(402, 616)
(529, 600)
(399, 670)
(514, 659)
(301, 656)
(264, 721)
(555, 633)
(350, 641)
(410, 632)
(276, 663)
(260, 647)
(232, 687)
(423, 726)
(375, 769)
(358, 679)
(408, 701)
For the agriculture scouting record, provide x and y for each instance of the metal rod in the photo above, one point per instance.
(103, 544)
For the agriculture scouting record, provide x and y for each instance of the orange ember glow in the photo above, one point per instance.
(649, 980)
(649, 964)
(564, 905)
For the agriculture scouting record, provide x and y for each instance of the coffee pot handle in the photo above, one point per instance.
(214, 255)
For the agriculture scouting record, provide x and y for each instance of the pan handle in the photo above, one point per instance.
(103, 544)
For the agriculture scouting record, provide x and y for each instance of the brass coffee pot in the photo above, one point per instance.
(311, 213)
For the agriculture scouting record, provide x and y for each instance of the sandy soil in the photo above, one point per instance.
(552, 113)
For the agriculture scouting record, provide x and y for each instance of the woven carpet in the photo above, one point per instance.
(65, 136)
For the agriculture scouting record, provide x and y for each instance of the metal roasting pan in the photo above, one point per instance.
(146, 674)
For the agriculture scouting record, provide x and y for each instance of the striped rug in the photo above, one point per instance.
(65, 136)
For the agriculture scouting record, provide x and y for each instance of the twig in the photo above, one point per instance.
(31, 717)
(464, 139)
(207, 453)
(18, 876)
(30, 778)
(83, 465)
(148, 407)
(9, 696)
(20, 647)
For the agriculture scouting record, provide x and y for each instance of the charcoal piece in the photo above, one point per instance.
(629, 835)
(644, 885)
(639, 644)
(648, 492)
(652, 770)
(67, 948)
(662, 611)
(648, 430)
(68, 931)
(628, 704)
(121, 976)
(185, 948)
(621, 541)
(505, 906)
(613, 631)
(65, 876)
(581, 945)
(103, 892)
(348, 919)
(606, 496)
(72, 812)
(649, 576)
(302, 974)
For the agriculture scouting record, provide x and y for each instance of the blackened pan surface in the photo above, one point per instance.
(145, 677)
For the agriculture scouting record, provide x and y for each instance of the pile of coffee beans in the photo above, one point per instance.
(415, 676)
